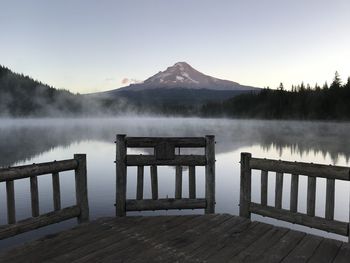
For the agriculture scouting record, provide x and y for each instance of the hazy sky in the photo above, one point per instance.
(88, 46)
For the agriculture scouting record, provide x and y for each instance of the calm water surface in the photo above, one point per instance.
(34, 141)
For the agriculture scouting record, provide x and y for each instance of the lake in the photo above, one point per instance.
(42, 140)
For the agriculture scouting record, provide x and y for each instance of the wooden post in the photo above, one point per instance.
(311, 196)
(210, 174)
(279, 190)
(140, 177)
(294, 188)
(245, 192)
(192, 181)
(154, 182)
(178, 182)
(121, 175)
(330, 191)
(11, 207)
(34, 195)
(81, 188)
(56, 191)
(264, 181)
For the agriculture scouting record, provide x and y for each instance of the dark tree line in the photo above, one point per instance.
(23, 96)
(302, 102)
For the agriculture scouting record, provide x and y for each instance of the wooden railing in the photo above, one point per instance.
(312, 171)
(164, 154)
(80, 210)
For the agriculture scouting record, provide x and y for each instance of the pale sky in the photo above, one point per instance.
(86, 46)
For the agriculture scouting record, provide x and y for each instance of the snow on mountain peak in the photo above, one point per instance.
(181, 65)
(178, 73)
(182, 75)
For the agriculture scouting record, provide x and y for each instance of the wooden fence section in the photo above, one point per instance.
(312, 171)
(80, 210)
(164, 154)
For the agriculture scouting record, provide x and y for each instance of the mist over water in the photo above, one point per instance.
(40, 140)
(21, 140)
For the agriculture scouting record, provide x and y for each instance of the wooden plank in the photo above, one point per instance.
(61, 241)
(128, 246)
(34, 195)
(164, 151)
(237, 243)
(178, 182)
(183, 240)
(114, 241)
(308, 169)
(81, 188)
(83, 242)
(40, 221)
(71, 240)
(326, 251)
(210, 174)
(264, 181)
(56, 191)
(121, 175)
(164, 240)
(337, 227)
(192, 181)
(245, 190)
(165, 204)
(67, 237)
(330, 192)
(117, 241)
(154, 182)
(140, 177)
(343, 254)
(184, 160)
(19, 172)
(277, 252)
(140, 142)
(261, 244)
(11, 207)
(219, 238)
(304, 250)
(195, 238)
(207, 238)
(294, 193)
(210, 237)
(279, 190)
(311, 196)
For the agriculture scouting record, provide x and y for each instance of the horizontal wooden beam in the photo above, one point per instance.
(308, 169)
(333, 226)
(40, 221)
(185, 160)
(141, 142)
(165, 204)
(26, 171)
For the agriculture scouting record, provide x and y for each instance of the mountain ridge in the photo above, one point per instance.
(180, 76)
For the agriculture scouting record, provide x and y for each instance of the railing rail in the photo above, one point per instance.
(312, 171)
(164, 154)
(80, 210)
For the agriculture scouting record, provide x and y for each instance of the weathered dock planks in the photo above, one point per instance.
(194, 238)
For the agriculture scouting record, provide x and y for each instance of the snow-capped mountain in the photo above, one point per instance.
(179, 84)
(182, 75)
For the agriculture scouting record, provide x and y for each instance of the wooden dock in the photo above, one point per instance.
(195, 238)
(198, 238)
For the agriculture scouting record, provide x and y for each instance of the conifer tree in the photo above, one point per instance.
(336, 81)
